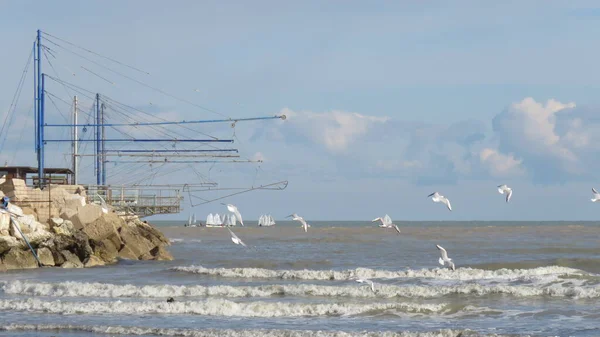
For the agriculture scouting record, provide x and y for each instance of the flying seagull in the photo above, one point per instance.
(386, 222)
(596, 195)
(436, 197)
(445, 259)
(298, 218)
(235, 239)
(235, 211)
(503, 189)
(369, 282)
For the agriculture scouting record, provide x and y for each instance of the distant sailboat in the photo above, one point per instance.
(266, 221)
(210, 219)
(231, 220)
(194, 219)
(217, 220)
(189, 222)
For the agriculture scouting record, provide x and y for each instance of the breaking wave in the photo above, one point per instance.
(462, 274)
(141, 331)
(221, 307)
(77, 289)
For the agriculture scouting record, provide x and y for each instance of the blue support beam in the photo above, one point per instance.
(135, 140)
(169, 151)
(97, 140)
(172, 123)
(40, 108)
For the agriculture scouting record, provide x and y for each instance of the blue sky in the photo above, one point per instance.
(387, 101)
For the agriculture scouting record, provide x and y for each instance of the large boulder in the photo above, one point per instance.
(9, 242)
(93, 261)
(64, 227)
(127, 254)
(160, 253)
(104, 227)
(105, 250)
(153, 235)
(86, 215)
(134, 241)
(71, 260)
(4, 224)
(45, 256)
(19, 259)
(77, 244)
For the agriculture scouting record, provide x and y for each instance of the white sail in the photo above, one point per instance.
(271, 221)
(210, 219)
(217, 219)
(225, 219)
(261, 220)
(194, 218)
(232, 220)
(387, 220)
(189, 220)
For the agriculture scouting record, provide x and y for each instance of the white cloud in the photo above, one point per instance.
(336, 129)
(500, 165)
(529, 126)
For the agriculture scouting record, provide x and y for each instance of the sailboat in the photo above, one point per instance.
(189, 222)
(231, 220)
(266, 221)
(214, 220)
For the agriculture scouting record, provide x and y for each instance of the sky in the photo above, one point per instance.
(386, 101)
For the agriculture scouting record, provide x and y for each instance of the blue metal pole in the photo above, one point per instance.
(103, 151)
(41, 136)
(35, 98)
(40, 109)
(98, 167)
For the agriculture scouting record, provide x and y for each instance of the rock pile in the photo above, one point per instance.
(66, 232)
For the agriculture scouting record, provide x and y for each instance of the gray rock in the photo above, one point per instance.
(19, 259)
(71, 260)
(45, 256)
(93, 261)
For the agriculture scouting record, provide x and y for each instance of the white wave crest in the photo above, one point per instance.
(462, 274)
(77, 289)
(219, 307)
(140, 331)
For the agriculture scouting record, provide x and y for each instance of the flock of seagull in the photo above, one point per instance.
(386, 222)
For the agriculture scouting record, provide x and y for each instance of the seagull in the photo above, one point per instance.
(503, 189)
(445, 259)
(385, 223)
(235, 211)
(299, 219)
(371, 283)
(436, 197)
(235, 239)
(596, 195)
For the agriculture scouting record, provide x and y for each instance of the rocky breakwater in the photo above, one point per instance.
(66, 232)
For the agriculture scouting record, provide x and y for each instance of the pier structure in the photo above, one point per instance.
(111, 144)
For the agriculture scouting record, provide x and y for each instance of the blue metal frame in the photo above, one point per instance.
(40, 110)
(146, 140)
(168, 151)
(173, 123)
(98, 165)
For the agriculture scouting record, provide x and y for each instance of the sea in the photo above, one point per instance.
(511, 279)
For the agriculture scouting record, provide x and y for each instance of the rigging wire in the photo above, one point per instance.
(13, 105)
(141, 83)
